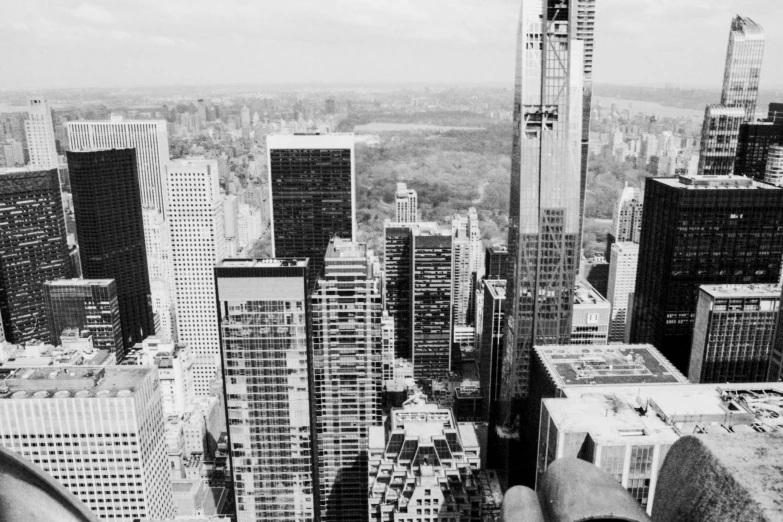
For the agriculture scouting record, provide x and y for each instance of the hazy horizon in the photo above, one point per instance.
(72, 44)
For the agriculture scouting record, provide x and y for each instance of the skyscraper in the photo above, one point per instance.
(700, 230)
(33, 249)
(622, 281)
(39, 130)
(110, 230)
(627, 216)
(743, 66)
(195, 217)
(431, 301)
(149, 139)
(264, 314)
(774, 171)
(491, 350)
(720, 132)
(98, 431)
(85, 304)
(312, 194)
(347, 313)
(157, 237)
(733, 333)
(719, 135)
(467, 264)
(496, 261)
(397, 262)
(407, 204)
(547, 179)
(754, 141)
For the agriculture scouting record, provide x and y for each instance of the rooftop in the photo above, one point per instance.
(22, 170)
(342, 248)
(667, 412)
(714, 182)
(422, 419)
(73, 381)
(585, 294)
(79, 282)
(497, 288)
(589, 365)
(626, 247)
(756, 290)
(252, 263)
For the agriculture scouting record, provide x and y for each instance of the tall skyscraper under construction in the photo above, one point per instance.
(553, 71)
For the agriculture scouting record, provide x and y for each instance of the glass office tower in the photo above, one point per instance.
(264, 317)
(743, 66)
(110, 230)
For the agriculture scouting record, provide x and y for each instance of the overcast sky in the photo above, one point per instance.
(49, 44)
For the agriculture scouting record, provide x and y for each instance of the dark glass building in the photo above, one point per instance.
(754, 141)
(311, 179)
(696, 231)
(85, 304)
(397, 242)
(110, 230)
(491, 349)
(431, 301)
(33, 249)
(496, 262)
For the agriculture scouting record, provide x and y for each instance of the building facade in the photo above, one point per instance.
(110, 231)
(591, 315)
(548, 168)
(700, 230)
(33, 249)
(148, 138)
(627, 216)
(264, 314)
(428, 468)
(774, 171)
(407, 204)
(97, 431)
(733, 333)
(622, 281)
(467, 265)
(743, 66)
(753, 145)
(312, 194)
(85, 304)
(719, 135)
(397, 266)
(491, 348)
(39, 130)
(195, 216)
(346, 314)
(496, 261)
(431, 302)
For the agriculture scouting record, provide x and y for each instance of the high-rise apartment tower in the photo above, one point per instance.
(553, 75)
(264, 313)
(39, 130)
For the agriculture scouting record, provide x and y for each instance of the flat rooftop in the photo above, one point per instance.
(738, 291)
(585, 294)
(617, 412)
(590, 365)
(23, 170)
(714, 183)
(79, 282)
(497, 288)
(74, 381)
(332, 140)
(626, 247)
(422, 419)
(251, 263)
(342, 248)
